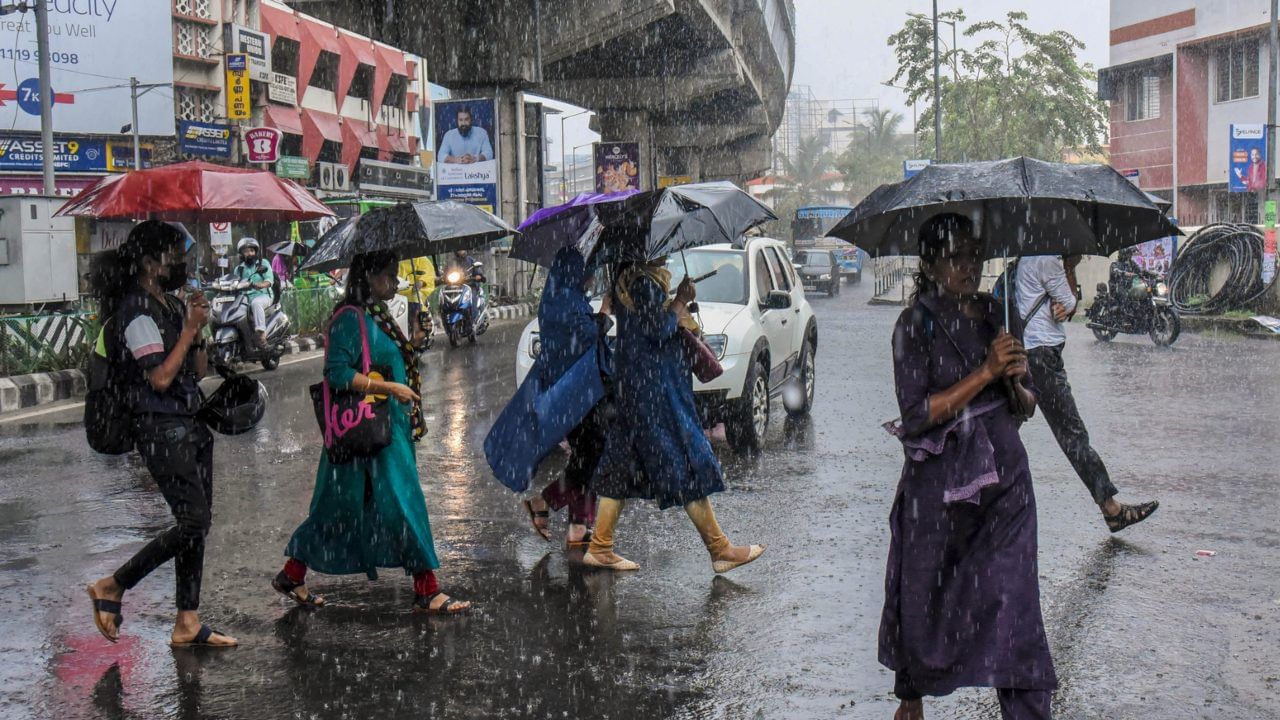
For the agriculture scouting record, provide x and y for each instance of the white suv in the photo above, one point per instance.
(755, 317)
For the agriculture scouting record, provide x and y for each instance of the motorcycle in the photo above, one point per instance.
(234, 337)
(1143, 308)
(463, 309)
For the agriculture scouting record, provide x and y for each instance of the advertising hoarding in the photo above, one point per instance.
(911, 168)
(255, 45)
(617, 166)
(262, 144)
(1247, 169)
(207, 139)
(238, 107)
(466, 142)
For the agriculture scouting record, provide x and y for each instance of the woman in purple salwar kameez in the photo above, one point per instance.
(962, 599)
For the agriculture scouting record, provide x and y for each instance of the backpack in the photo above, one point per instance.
(108, 412)
(999, 290)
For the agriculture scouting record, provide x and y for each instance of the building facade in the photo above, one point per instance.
(1182, 73)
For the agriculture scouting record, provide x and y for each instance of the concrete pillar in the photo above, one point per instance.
(633, 126)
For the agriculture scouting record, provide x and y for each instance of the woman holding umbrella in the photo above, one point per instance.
(656, 449)
(962, 598)
(370, 513)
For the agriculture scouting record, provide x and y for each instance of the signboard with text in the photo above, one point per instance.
(256, 46)
(89, 41)
(293, 167)
(24, 153)
(238, 107)
(466, 159)
(207, 139)
(262, 144)
(666, 181)
(283, 89)
(617, 166)
(1247, 168)
(120, 156)
(911, 168)
(393, 178)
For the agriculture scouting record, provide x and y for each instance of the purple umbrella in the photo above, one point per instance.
(551, 228)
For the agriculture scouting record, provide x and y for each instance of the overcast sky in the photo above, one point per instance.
(841, 49)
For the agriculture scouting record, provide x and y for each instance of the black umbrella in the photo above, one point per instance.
(1019, 207)
(410, 230)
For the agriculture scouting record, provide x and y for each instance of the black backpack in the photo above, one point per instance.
(108, 411)
(999, 290)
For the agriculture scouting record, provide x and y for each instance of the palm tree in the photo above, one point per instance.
(806, 171)
(882, 129)
(878, 160)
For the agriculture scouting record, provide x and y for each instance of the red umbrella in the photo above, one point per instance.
(195, 192)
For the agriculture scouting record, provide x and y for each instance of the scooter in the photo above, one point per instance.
(234, 337)
(1145, 310)
(463, 310)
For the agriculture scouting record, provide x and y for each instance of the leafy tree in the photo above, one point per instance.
(875, 158)
(806, 171)
(1016, 92)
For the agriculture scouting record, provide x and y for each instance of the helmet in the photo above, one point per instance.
(248, 242)
(236, 406)
(1127, 254)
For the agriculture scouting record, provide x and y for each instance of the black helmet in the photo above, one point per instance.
(236, 406)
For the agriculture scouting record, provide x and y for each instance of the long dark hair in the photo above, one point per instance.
(358, 290)
(935, 235)
(114, 273)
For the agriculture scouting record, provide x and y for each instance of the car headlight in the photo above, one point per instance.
(824, 276)
(717, 343)
(1162, 289)
(535, 347)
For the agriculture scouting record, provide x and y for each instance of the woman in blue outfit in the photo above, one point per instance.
(568, 327)
(370, 513)
(656, 448)
(962, 595)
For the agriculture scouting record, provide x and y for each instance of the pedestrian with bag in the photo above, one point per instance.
(568, 328)
(154, 345)
(1046, 298)
(367, 509)
(962, 593)
(656, 449)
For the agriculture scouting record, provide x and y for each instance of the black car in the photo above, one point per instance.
(819, 269)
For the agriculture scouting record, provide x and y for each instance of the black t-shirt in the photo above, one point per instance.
(148, 330)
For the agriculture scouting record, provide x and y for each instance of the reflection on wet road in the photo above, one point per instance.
(1140, 626)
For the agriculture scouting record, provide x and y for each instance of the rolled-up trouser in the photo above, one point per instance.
(258, 305)
(178, 452)
(1015, 704)
(1059, 408)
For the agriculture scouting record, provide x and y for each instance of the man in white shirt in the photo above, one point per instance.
(1046, 298)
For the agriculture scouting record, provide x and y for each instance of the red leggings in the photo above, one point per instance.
(424, 583)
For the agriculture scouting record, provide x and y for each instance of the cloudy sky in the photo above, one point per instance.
(841, 51)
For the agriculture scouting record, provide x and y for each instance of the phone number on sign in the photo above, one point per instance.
(24, 55)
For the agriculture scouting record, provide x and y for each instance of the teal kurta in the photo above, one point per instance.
(368, 513)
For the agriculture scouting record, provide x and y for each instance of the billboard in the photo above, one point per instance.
(911, 168)
(1156, 256)
(238, 104)
(208, 139)
(1247, 169)
(255, 45)
(86, 39)
(617, 166)
(466, 142)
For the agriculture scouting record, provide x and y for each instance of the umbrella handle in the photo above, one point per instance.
(685, 261)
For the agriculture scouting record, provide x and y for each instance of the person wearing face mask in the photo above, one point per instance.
(157, 340)
(260, 278)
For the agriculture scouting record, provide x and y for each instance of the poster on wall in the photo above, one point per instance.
(617, 166)
(85, 40)
(1247, 171)
(466, 161)
(1156, 256)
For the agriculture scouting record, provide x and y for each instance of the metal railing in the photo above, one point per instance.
(44, 343)
(308, 308)
(893, 271)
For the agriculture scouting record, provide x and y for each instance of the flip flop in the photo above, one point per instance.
(451, 606)
(102, 605)
(543, 531)
(202, 639)
(286, 587)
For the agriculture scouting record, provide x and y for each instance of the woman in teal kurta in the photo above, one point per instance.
(370, 513)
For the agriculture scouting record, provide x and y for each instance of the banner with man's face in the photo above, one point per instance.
(1247, 169)
(466, 139)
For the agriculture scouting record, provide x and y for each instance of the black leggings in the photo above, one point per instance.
(179, 454)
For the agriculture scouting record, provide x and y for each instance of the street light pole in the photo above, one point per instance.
(46, 97)
(564, 146)
(137, 141)
(937, 100)
(1274, 84)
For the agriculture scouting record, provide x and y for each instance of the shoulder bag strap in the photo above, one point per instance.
(364, 333)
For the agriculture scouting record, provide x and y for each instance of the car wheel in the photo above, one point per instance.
(806, 382)
(748, 422)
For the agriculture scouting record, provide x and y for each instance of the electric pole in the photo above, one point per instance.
(46, 97)
(937, 91)
(137, 142)
(1273, 86)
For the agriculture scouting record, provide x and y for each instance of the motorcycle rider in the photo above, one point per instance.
(465, 264)
(258, 273)
(1123, 271)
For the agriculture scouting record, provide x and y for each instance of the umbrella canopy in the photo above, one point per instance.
(287, 247)
(1019, 207)
(551, 228)
(1159, 202)
(644, 225)
(409, 230)
(196, 192)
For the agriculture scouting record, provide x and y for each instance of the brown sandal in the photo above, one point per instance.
(544, 530)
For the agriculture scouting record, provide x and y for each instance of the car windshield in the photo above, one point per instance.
(728, 285)
(816, 259)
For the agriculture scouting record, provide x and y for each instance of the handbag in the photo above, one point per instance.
(706, 367)
(354, 424)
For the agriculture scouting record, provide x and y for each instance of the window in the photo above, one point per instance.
(330, 151)
(397, 92)
(362, 83)
(1232, 207)
(1142, 98)
(764, 279)
(291, 144)
(1237, 70)
(284, 56)
(325, 76)
(776, 264)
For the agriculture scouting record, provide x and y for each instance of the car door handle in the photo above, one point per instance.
(784, 321)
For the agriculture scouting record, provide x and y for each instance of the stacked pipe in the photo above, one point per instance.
(1239, 247)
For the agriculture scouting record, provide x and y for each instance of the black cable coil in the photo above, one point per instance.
(1240, 247)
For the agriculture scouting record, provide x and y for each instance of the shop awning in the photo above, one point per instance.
(279, 23)
(394, 59)
(359, 132)
(323, 124)
(359, 48)
(324, 36)
(286, 119)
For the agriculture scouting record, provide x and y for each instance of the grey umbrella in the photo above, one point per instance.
(409, 230)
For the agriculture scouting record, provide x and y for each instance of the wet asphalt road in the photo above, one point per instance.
(1140, 627)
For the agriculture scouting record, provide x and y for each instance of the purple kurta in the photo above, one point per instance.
(962, 598)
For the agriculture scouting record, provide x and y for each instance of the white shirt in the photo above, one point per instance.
(1037, 275)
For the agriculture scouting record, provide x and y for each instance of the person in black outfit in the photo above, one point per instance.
(155, 341)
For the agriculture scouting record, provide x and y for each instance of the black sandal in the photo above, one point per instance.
(202, 639)
(543, 530)
(451, 606)
(578, 544)
(1130, 515)
(286, 587)
(102, 605)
